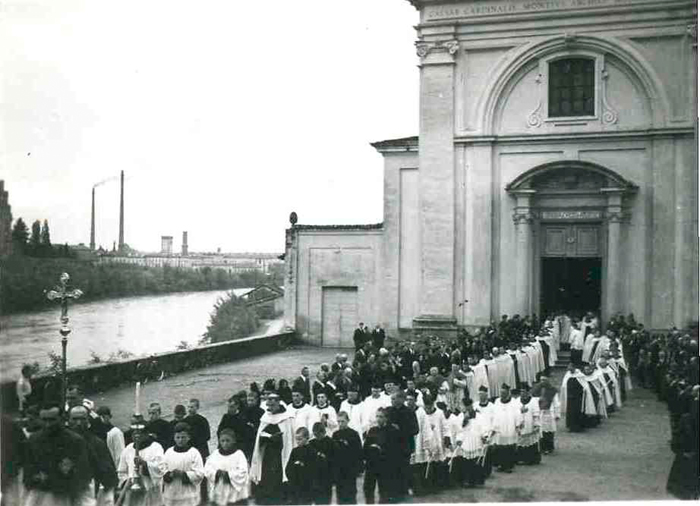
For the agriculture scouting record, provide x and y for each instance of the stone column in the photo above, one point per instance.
(614, 217)
(523, 218)
(436, 179)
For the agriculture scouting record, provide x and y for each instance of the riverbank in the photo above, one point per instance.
(25, 280)
(140, 325)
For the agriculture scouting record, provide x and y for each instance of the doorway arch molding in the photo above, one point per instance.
(607, 183)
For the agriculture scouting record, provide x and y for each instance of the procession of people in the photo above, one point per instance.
(411, 418)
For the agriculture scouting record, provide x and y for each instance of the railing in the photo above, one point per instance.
(102, 377)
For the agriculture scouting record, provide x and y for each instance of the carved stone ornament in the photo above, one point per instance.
(534, 119)
(615, 217)
(609, 116)
(569, 38)
(692, 30)
(520, 218)
(423, 49)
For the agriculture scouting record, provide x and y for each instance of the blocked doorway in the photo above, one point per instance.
(339, 314)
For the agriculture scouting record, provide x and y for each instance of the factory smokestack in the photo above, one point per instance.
(92, 222)
(184, 244)
(121, 215)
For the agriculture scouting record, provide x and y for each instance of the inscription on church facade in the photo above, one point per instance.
(523, 6)
(571, 215)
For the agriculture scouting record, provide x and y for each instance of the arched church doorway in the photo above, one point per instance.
(571, 268)
(568, 218)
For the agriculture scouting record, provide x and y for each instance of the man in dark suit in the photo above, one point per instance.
(303, 384)
(378, 336)
(359, 337)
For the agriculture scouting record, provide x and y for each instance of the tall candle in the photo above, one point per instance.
(137, 407)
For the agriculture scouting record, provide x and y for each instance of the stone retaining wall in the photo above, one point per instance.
(101, 377)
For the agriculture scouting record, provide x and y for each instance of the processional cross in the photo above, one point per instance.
(63, 294)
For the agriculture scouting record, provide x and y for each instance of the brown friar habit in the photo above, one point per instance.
(545, 394)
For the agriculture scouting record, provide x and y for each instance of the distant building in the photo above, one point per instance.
(5, 221)
(166, 245)
(185, 248)
(232, 263)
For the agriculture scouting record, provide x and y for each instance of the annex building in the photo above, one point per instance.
(555, 169)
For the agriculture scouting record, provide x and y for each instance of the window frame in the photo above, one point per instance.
(598, 66)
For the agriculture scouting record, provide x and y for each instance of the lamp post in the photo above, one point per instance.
(63, 295)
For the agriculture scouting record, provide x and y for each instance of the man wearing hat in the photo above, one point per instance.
(141, 468)
(507, 420)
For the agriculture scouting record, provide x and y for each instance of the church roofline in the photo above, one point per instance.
(396, 145)
(371, 226)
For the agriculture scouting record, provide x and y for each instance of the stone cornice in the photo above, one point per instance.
(577, 136)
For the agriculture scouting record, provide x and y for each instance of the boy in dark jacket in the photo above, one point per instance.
(301, 469)
(349, 464)
(382, 451)
(324, 448)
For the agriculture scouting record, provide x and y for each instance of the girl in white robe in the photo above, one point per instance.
(185, 471)
(145, 483)
(226, 471)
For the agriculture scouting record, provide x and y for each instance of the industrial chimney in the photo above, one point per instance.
(121, 215)
(92, 222)
(184, 244)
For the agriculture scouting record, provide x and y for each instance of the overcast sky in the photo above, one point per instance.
(224, 115)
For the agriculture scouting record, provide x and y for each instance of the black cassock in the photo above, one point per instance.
(574, 403)
(269, 490)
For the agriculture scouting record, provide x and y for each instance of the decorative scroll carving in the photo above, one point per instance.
(609, 116)
(615, 216)
(526, 218)
(569, 39)
(692, 30)
(423, 49)
(534, 119)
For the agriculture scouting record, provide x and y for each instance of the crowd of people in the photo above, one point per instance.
(413, 417)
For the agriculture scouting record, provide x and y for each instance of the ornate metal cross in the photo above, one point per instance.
(63, 295)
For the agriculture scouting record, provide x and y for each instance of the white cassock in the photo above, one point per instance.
(481, 378)
(548, 417)
(369, 411)
(612, 383)
(236, 466)
(588, 348)
(304, 416)
(564, 329)
(439, 429)
(598, 385)
(149, 492)
(492, 376)
(530, 431)
(469, 440)
(505, 421)
(423, 440)
(506, 370)
(354, 412)
(577, 339)
(177, 493)
(285, 423)
(115, 443)
(330, 416)
(603, 345)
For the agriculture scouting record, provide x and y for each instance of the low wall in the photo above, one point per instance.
(101, 377)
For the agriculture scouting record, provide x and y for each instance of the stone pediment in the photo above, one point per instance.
(569, 176)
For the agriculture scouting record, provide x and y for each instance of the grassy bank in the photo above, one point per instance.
(23, 280)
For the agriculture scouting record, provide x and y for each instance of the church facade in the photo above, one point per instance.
(555, 169)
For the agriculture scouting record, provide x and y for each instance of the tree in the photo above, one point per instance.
(35, 238)
(45, 234)
(20, 236)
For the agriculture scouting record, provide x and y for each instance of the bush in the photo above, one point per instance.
(231, 319)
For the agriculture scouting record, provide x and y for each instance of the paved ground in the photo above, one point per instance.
(626, 458)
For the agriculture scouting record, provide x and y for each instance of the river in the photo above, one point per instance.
(139, 325)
